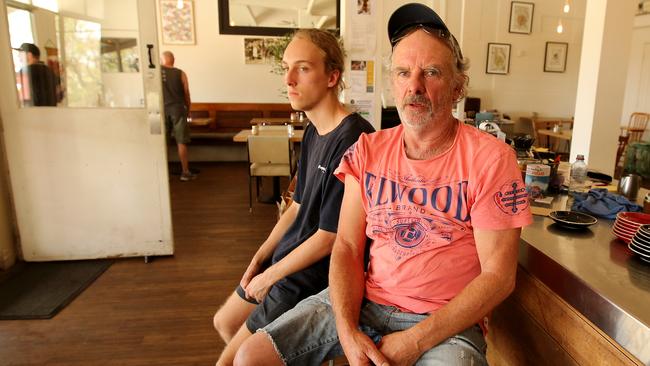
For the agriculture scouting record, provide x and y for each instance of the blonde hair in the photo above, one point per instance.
(334, 54)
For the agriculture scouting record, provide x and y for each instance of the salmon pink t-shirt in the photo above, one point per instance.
(421, 214)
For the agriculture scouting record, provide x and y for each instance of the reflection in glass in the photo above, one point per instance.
(83, 65)
(120, 55)
(95, 56)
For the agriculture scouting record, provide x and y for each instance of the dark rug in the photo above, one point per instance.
(39, 290)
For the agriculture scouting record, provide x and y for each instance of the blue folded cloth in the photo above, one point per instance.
(600, 202)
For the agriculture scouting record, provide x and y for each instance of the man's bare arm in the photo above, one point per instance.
(186, 88)
(347, 280)
(265, 251)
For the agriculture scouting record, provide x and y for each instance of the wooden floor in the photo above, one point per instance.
(158, 313)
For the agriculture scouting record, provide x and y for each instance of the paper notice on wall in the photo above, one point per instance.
(363, 107)
(363, 35)
(362, 87)
(362, 77)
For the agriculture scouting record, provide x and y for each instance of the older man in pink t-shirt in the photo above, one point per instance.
(442, 204)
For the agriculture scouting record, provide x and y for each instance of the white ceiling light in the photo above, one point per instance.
(179, 4)
(560, 28)
(567, 6)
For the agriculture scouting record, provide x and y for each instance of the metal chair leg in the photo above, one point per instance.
(250, 194)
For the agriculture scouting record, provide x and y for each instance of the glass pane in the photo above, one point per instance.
(89, 59)
(83, 65)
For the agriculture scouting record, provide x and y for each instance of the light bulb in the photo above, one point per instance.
(179, 4)
(560, 28)
(567, 7)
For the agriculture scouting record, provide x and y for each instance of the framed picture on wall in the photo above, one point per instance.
(521, 17)
(555, 56)
(498, 58)
(177, 23)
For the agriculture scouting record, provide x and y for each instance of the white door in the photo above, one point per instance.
(89, 180)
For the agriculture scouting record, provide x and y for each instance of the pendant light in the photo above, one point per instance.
(560, 27)
(567, 6)
(179, 4)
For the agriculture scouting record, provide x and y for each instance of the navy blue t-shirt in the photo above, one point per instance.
(319, 194)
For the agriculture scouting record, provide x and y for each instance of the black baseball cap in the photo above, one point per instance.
(411, 15)
(31, 48)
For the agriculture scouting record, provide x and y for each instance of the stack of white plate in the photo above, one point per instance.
(640, 244)
(628, 223)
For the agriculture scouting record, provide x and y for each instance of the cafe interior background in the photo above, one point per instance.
(604, 78)
(91, 177)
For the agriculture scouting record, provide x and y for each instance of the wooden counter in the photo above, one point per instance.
(582, 298)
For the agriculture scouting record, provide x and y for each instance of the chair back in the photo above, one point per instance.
(637, 125)
(269, 149)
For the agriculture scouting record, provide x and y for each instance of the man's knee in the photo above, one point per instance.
(257, 350)
(226, 326)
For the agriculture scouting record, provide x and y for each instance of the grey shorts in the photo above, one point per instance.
(307, 334)
(178, 129)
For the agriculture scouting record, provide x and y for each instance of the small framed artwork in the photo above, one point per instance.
(555, 56)
(498, 58)
(177, 23)
(521, 17)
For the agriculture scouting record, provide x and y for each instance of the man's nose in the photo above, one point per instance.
(290, 77)
(415, 82)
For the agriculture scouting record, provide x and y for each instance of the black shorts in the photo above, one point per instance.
(275, 303)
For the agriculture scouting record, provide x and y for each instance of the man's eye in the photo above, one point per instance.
(431, 73)
(303, 68)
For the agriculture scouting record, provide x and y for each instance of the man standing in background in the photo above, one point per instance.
(176, 94)
(37, 80)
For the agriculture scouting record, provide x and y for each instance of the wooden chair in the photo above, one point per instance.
(268, 156)
(620, 155)
(637, 126)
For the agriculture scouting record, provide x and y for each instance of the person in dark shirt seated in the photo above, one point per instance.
(293, 262)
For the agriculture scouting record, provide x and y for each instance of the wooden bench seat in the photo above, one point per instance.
(229, 118)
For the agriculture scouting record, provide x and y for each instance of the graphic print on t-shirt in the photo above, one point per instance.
(414, 214)
(512, 197)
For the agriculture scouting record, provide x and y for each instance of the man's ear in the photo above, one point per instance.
(334, 77)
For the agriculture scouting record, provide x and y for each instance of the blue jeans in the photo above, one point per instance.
(306, 335)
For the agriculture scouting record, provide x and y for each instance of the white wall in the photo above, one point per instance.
(637, 91)
(215, 64)
(527, 88)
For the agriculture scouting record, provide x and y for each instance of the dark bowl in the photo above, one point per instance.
(523, 142)
(572, 219)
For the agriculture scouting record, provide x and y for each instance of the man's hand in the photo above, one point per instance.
(254, 268)
(399, 348)
(259, 286)
(360, 350)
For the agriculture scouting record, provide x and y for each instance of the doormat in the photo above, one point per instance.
(39, 290)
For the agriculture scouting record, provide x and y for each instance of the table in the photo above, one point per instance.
(199, 121)
(242, 136)
(274, 121)
(564, 135)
